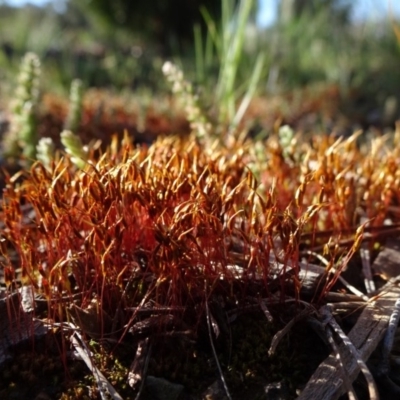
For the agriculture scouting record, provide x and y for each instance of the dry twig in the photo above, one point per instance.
(327, 314)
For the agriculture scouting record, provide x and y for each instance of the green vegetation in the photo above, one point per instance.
(312, 44)
(21, 136)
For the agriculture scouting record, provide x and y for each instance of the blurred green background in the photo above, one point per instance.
(121, 45)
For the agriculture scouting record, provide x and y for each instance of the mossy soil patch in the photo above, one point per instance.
(42, 371)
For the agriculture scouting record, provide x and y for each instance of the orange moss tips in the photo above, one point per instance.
(171, 215)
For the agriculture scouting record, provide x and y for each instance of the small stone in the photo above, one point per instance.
(161, 389)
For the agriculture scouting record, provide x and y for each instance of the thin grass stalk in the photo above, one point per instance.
(213, 37)
(199, 56)
(234, 29)
(255, 78)
(209, 49)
